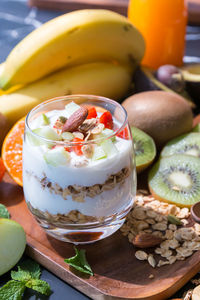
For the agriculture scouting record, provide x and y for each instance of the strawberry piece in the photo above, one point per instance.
(2, 169)
(124, 134)
(92, 113)
(77, 149)
(107, 120)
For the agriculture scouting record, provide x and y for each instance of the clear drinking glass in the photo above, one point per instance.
(82, 200)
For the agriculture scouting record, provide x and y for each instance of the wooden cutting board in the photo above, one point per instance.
(118, 275)
(119, 6)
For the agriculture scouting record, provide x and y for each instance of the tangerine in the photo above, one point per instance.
(12, 151)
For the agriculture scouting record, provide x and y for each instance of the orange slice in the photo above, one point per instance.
(12, 151)
(2, 169)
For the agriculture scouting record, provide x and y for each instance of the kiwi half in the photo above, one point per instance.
(145, 149)
(185, 144)
(176, 179)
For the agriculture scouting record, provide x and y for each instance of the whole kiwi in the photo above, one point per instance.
(160, 114)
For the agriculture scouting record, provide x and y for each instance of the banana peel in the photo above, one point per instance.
(102, 79)
(75, 38)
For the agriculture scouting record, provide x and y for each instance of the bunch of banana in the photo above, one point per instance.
(86, 51)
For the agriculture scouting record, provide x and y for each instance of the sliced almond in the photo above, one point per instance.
(78, 135)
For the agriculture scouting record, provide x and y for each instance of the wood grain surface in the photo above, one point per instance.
(118, 275)
(119, 6)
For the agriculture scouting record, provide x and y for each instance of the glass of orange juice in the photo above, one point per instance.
(163, 25)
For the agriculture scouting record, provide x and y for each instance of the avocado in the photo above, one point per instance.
(145, 80)
(191, 75)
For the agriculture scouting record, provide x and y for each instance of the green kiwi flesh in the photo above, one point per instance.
(185, 144)
(196, 128)
(176, 179)
(145, 149)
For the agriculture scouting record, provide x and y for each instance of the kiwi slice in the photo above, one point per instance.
(176, 179)
(145, 149)
(185, 144)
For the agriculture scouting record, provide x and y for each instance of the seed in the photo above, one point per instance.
(141, 255)
(151, 260)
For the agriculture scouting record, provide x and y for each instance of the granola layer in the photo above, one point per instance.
(73, 217)
(79, 193)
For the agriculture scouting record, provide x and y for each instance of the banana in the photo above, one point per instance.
(75, 38)
(10, 90)
(103, 79)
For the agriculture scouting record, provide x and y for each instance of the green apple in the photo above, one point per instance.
(12, 244)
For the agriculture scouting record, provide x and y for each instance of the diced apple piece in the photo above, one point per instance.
(46, 132)
(108, 132)
(45, 120)
(98, 153)
(67, 136)
(57, 156)
(71, 108)
(12, 244)
(109, 148)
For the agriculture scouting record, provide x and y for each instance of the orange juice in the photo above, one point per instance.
(163, 25)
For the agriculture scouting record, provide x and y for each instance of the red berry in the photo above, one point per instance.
(92, 113)
(77, 149)
(107, 120)
(124, 134)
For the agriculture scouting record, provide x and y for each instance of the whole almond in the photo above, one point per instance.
(75, 120)
(146, 240)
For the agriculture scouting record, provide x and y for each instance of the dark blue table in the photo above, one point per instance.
(16, 21)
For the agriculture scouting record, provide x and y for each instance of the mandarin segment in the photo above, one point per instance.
(12, 151)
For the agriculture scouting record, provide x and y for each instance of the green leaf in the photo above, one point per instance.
(4, 212)
(30, 267)
(20, 275)
(12, 290)
(40, 286)
(79, 262)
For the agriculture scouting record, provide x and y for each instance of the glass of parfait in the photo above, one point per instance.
(79, 174)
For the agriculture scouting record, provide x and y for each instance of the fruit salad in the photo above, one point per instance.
(77, 167)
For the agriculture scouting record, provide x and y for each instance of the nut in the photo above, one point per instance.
(88, 125)
(146, 240)
(75, 120)
(151, 260)
(141, 255)
(78, 134)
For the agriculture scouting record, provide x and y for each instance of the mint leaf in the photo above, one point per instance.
(40, 286)
(28, 275)
(12, 290)
(79, 262)
(20, 275)
(26, 270)
(4, 212)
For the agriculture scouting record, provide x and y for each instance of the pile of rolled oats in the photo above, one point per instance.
(151, 216)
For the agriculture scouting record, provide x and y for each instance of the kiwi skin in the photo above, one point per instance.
(143, 161)
(160, 114)
(165, 163)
